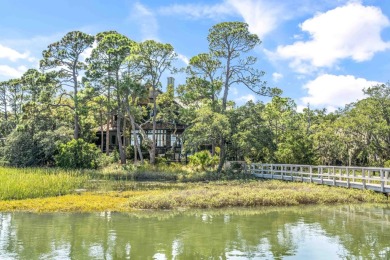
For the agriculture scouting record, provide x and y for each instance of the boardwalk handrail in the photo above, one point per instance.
(372, 178)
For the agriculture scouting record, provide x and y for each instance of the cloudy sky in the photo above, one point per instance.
(321, 53)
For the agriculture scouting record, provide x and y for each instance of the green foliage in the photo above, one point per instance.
(78, 154)
(204, 159)
(23, 149)
(208, 127)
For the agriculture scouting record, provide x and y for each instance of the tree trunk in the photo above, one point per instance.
(76, 106)
(153, 148)
(120, 145)
(222, 156)
(136, 144)
(108, 121)
(124, 133)
(122, 152)
(101, 131)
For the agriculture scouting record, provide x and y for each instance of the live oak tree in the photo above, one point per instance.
(65, 56)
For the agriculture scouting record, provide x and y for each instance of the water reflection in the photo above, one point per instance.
(276, 233)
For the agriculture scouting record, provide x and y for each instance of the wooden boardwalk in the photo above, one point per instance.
(370, 178)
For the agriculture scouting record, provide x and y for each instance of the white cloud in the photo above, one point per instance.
(350, 31)
(246, 98)
(261, 16)
(8, 72)
(87, 52)
(146, 21)
(333, 91)
(197, 11)
(183, 58)
(13, 55)
(234, 91)
(276, 76)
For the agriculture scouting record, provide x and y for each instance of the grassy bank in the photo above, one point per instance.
(16, 184)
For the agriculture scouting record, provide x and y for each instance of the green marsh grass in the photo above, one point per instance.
(16, 184)
(253, 194)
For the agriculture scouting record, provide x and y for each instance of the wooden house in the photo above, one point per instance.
(168, 135)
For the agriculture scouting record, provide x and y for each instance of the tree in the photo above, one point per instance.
(4, 99)
(106, 62)
(229, 41)
(65, 57)
(153, 59)
(203, 70)
(206, 128)
(251, 139)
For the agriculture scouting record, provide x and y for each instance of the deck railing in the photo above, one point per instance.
(370, 178)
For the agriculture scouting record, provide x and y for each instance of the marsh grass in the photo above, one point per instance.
(86, 202)
(16, 184)
(252, 194)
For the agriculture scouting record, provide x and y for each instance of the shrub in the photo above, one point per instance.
(203, 159)
(22, 149)
(78, 154)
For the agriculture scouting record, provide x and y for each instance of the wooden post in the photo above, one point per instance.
(322, 174)
(311, 174)
(340, 174)
(348, 184)
(272, 171)
(363, 180)
(353, 174)
(386, 177)
(281, 171)
(382, 181)
(301, 174)
(334, 173)
(369, 176)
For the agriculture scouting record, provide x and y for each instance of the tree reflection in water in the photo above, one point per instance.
(304, 232)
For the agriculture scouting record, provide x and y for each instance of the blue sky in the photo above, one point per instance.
(318, 52)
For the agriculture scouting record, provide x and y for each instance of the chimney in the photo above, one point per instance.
(171, 81)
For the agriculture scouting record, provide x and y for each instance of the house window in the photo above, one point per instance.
(132, 138)
(161, 137)
(113, 139)
(175, 141)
